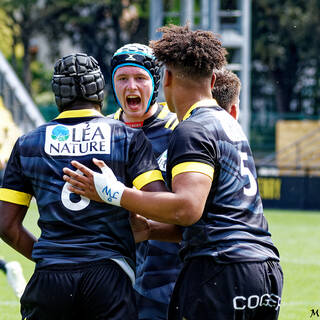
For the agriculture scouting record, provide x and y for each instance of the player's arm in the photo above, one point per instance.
(183, 206)
(146, 229)
(12, 230)
(165, 232)
(143, 230)
(15, 196)
(192, 161)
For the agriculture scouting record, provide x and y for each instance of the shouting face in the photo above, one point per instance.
(133, 87)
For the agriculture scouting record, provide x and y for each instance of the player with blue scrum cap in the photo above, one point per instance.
(135, 77)
(139, 56)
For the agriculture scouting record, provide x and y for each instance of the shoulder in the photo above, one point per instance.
(165, 117)
(33, 134)
(189, 128)
(115, 115)
(191, 137)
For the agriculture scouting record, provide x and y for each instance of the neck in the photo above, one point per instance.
(152, 110)
(183, 91)
(188, 97)
(80, 105)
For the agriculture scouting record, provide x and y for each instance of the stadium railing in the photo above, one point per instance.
(16, 98)
(290, 177)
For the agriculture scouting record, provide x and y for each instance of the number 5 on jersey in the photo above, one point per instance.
(245, 171)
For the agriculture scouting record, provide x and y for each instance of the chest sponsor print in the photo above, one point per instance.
(78, 140)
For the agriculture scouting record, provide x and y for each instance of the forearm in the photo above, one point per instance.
(12, 230)
(165, 207)
(20, 239)
(183, 206)
(164, 232)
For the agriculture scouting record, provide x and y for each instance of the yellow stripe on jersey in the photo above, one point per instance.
(117, 114)
(79, 113)
(170, 121)
(164, 112)
(193, 167)
(199, 104)
(147, 177)
(14, 196)
(174, 124)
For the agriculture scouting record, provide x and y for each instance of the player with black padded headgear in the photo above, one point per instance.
(77, 76)
(137, 55)
(83, 244)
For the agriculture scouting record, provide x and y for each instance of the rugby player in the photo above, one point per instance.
(226, 91)
(135, 78)
(85, 256)
(231, 266)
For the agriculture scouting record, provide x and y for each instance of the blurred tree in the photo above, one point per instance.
(22, 19)
(285, 37)
(99, 27)
(310, 48)
(5, 34)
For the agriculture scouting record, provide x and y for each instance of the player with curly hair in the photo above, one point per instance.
(231, 266)
(193, 54)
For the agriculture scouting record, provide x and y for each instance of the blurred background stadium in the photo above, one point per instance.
(273, 46)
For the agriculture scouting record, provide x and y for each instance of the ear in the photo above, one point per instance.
(234, 111)
(167, 78)
(213, 80)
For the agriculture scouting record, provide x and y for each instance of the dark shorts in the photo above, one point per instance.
(206, 290)
(84, 291)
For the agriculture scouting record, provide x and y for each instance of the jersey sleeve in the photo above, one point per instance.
(143, 167)
(191, 149)
(15, 186)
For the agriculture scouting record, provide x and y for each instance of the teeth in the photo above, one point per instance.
(132, 97)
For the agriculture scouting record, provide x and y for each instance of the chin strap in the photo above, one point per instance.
(108, 187)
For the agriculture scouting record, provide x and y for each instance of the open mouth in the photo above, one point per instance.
(133, 100)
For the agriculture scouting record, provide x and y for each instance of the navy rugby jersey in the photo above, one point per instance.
(157, 128)
(158, 263)
(73, 228)
(232, 227)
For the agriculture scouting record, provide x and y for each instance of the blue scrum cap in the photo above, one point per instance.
(137, 55)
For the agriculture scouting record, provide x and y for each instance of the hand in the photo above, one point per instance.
(140, 227)
(95, 186)
(82, 182)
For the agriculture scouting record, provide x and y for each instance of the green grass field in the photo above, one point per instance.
(295, 233)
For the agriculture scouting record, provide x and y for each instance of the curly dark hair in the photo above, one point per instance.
(226, 88)
(194, 53)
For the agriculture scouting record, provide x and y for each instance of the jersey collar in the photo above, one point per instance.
(118, 115)
(199, 104)
(79, 113)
